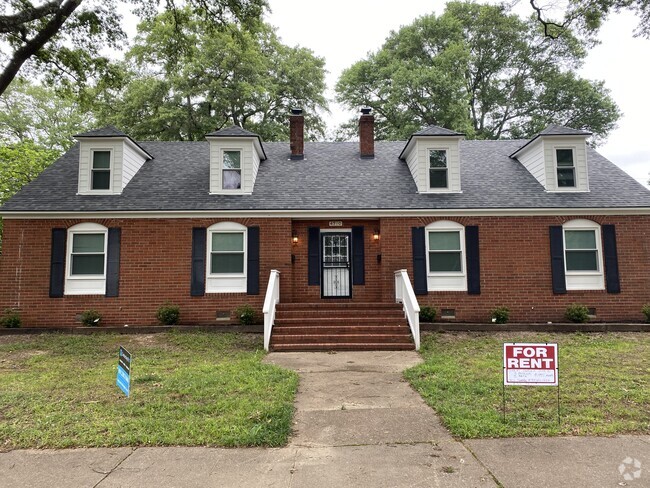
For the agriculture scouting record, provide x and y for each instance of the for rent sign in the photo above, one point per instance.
(530, 364)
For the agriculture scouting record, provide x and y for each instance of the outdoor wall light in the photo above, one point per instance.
(294, 239)
(375, 234)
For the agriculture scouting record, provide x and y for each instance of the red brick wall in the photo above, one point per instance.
(516, 269)
(156, 262)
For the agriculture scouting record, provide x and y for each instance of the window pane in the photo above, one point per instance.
(222, 241)
(565, 177)
(227, 263)
(437, 158)
(88, 264)
(88, 243)
(581, 261)
(437, 178)
(580, 239)
(564, 157)
(231, 179)
(231, 160)
(101, 159)
(444, 261)
(444, 241)
(101, 180)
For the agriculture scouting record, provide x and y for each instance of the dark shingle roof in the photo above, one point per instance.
(108, 131)
(558, 130)
(434, 130)
(232, 131)
(331, 177)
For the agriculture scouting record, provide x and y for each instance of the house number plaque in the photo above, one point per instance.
(336, 223)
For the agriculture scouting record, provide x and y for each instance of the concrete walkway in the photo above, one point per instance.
(357, 424)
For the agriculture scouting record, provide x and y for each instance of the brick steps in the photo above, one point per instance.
(327, 326)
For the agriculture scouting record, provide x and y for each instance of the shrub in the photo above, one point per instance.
(500, 315)
(646, 312)
(246, 314)
(10, 319)
(168, 314)
(428, 314)
(577, 313)
(91, 318)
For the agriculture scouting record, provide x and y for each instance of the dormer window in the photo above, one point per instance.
(438, 168)
(566, 174)
(231, 170)
(101, 170)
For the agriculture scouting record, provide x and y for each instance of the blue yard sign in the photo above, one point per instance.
(124, 371)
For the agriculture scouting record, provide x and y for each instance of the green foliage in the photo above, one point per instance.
(577, 313)
(62, 42)
(645, 310)
(500, 315)
(479, 70)
(10, 319)
(428, 314)
(246, 314)
(188, 80)
(91, 318)
(41, 115)
(168, 314)
(187, 389)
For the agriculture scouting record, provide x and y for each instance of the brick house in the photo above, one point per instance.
(122, 226)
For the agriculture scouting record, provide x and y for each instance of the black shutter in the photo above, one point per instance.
(611, 259)
(253, 272)
(113, 262)
(472, 258)
(57, 263)
(313, 256)
(419, 261)
(358, 257)
(199, 236)
(557, 260)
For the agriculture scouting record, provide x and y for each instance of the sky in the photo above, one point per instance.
(344, 31)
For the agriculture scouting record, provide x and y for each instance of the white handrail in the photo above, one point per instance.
(405, 295)
(271, 299)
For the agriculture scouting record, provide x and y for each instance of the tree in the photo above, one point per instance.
(64, 38)
(38, 114)
(185, 84)
(480, 70)
(20, 163)
(587, 16)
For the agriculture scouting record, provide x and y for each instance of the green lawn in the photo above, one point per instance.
(604, 385)
(190, 389)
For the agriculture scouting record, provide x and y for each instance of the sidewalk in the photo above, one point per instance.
(357, 424)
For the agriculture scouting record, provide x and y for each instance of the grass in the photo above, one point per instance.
(189, 389)
(604, 385)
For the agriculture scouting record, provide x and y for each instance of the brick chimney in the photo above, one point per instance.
(366, 134)
(297, 134)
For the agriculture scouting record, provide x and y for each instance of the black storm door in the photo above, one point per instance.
(336, 282)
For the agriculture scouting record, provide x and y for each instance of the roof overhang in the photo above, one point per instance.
(137, 147)
(257, 141)
(583, 136)
(415, 137)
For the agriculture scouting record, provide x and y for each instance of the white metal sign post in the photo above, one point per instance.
(526, 364)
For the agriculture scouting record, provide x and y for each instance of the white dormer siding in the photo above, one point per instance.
(418, 158)
(250, 155)
(126, 158)
(540, 157)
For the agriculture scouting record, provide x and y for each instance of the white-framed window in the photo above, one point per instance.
(445, 245)
(226, 259)
(86, 259)
(438, 169)
(583, 257)
(101, 169)
(565, 167)
(231, 169)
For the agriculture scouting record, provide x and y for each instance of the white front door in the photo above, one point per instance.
(336, 265)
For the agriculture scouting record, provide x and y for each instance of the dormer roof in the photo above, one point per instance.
(236, 131)
(430, 131)
(110, 131)
(554, 130)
